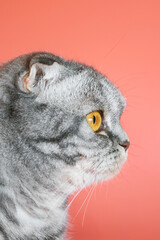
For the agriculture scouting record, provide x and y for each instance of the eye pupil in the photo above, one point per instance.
(94, 119)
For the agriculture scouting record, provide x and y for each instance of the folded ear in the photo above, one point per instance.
(39, 75)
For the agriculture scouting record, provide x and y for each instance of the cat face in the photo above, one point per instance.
(52, 106)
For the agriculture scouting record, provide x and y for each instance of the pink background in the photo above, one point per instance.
(122, 40)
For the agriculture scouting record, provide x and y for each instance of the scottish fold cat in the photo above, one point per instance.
(59, 132)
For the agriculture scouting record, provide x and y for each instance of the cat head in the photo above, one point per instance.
(71, 114)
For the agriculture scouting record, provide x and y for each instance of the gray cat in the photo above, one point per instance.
(59, 131)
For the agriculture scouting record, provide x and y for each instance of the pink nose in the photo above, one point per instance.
(125, 145)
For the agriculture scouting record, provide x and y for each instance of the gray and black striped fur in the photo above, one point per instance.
(47, 148)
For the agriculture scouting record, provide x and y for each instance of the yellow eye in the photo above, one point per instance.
(95, 120)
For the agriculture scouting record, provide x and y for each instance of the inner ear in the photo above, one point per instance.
(39, 75)
(35, 74)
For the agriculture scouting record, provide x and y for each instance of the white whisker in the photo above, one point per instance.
(91, 193)
(83, 202)
(74, 198)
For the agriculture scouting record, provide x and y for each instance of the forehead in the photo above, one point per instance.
(84, 91)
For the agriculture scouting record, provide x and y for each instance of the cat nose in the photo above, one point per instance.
(125, 145)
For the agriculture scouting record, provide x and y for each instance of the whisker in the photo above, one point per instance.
(74, 198)
(128, 76)
(83, 203)
(87, 204)
(100, 163)
(122, 175)
(116, 44)
(133, 154)
(101, 185)
(136, 145)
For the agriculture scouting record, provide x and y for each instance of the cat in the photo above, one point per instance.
(59, 132)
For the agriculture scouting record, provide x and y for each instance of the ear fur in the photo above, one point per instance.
(39, 75)
(31, 79)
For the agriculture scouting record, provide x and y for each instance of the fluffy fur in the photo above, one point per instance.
(47, 148)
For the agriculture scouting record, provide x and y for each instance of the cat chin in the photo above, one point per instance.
(113, 167)
(89, 171)
(123, 156)
(87, 174)
(119, 164)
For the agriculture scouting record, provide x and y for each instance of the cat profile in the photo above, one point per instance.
(59, 132)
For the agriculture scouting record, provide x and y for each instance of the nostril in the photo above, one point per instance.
(125, 145)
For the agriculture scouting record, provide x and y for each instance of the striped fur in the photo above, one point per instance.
(47, 148)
